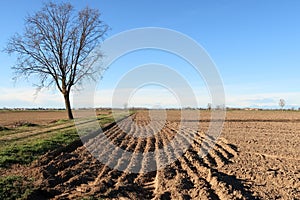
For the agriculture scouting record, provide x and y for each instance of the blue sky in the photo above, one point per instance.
(254, 44)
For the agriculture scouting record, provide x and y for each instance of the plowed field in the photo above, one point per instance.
(256, 157)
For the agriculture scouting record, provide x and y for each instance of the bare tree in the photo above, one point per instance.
(281, 103)
(56, 47)
(209, 106)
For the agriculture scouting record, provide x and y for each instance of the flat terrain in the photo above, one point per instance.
(269, 152)
(38, 117)
(11, 118)
(256, 157)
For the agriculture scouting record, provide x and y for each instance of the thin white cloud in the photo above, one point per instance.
(25, 97)
(150, 97)
(263, 99)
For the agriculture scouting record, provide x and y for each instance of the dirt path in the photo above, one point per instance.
(37, 132)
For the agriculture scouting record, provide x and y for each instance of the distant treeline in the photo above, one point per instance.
(144, 108)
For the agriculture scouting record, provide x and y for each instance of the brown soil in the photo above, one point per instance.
(257, 157)
(38, 117)
(11, 118)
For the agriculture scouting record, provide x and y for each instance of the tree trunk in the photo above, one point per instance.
(68, 106)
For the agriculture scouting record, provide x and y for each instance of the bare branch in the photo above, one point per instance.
(56, 45)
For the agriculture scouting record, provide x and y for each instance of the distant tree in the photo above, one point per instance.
(55, 47)
(292, 108)
(220, 107)
(281, 103)
(209, 106)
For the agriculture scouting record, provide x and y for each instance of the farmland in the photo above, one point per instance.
(256, 157)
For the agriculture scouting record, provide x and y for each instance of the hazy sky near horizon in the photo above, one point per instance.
(255, 46)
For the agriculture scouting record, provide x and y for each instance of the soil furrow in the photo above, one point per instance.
(133, 145)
